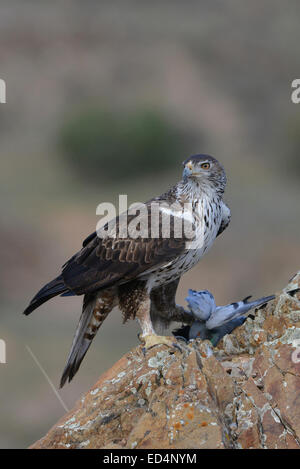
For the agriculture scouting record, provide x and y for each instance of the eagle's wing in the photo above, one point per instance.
(111, 260)
(226, 217)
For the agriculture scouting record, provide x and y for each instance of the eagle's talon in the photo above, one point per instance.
(152, 340)
(178, 347)
(140, 337)
(181, 339)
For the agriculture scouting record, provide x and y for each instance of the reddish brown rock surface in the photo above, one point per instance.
(243, 394)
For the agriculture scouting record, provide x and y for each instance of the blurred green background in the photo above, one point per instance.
(108, 98)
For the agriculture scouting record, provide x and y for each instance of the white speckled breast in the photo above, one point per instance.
(206, 215)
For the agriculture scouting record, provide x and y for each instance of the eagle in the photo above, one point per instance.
(139, 272)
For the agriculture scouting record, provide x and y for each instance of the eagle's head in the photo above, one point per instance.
(205, 170)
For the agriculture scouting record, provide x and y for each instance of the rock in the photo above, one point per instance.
(243, 394)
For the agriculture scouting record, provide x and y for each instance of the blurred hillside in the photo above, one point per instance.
(219, 77)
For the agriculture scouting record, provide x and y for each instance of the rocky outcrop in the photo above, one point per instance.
(243, 394)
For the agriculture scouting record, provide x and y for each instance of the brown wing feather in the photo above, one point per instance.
(103, 262)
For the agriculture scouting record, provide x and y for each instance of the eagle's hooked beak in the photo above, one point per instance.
(189, 170)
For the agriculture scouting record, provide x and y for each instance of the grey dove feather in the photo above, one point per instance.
(213, 322)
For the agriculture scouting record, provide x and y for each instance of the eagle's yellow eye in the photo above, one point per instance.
(205, 166)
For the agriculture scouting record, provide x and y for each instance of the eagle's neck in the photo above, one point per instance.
(188, 190)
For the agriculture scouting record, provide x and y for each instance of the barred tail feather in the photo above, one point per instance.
(80, 344)
(91, 318)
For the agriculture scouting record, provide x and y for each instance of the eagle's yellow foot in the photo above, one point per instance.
(152, 340)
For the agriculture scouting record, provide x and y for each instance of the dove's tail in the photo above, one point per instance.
(256, 303)
(225, 314)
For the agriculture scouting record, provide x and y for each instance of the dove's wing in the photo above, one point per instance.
(224, 314)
